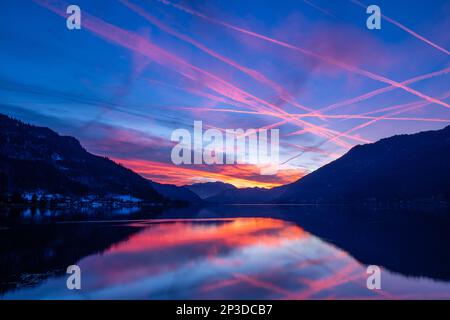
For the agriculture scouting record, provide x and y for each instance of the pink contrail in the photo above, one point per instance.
(194, 91)
(141, 45)
(334, 116)
(396, 107)
(313, 149)
(245, 134)
(319, 8)
(401, 26)
(256, 75)
(329, 60)
(412, 106)
(310, 129)
(383, 90)
(403, 108)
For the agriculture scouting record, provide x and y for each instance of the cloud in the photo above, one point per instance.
(239, 175)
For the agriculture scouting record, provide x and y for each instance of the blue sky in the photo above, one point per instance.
(168, 63)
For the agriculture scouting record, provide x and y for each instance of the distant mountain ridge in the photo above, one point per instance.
(175, 193)
(37, 159)
(209, 189)
(246, 196)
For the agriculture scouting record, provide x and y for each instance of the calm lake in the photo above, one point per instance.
(230, 252)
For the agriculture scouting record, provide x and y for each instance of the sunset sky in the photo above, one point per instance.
(137, 70)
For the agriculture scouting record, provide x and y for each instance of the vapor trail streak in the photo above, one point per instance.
(404, 108)
(337, 116)
(329, 60)
(401, 26)
(319, 8)
(383, 90)
(329, 131)
(256, 75)
(141, 45)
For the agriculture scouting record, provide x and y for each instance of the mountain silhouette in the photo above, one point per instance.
(37, 159)
(175, 193)
(246, 196)
(210, 189)
(400, 168)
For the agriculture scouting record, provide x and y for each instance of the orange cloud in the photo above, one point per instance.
(241, 176)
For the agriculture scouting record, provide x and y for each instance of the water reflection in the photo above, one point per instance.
(220, 258)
